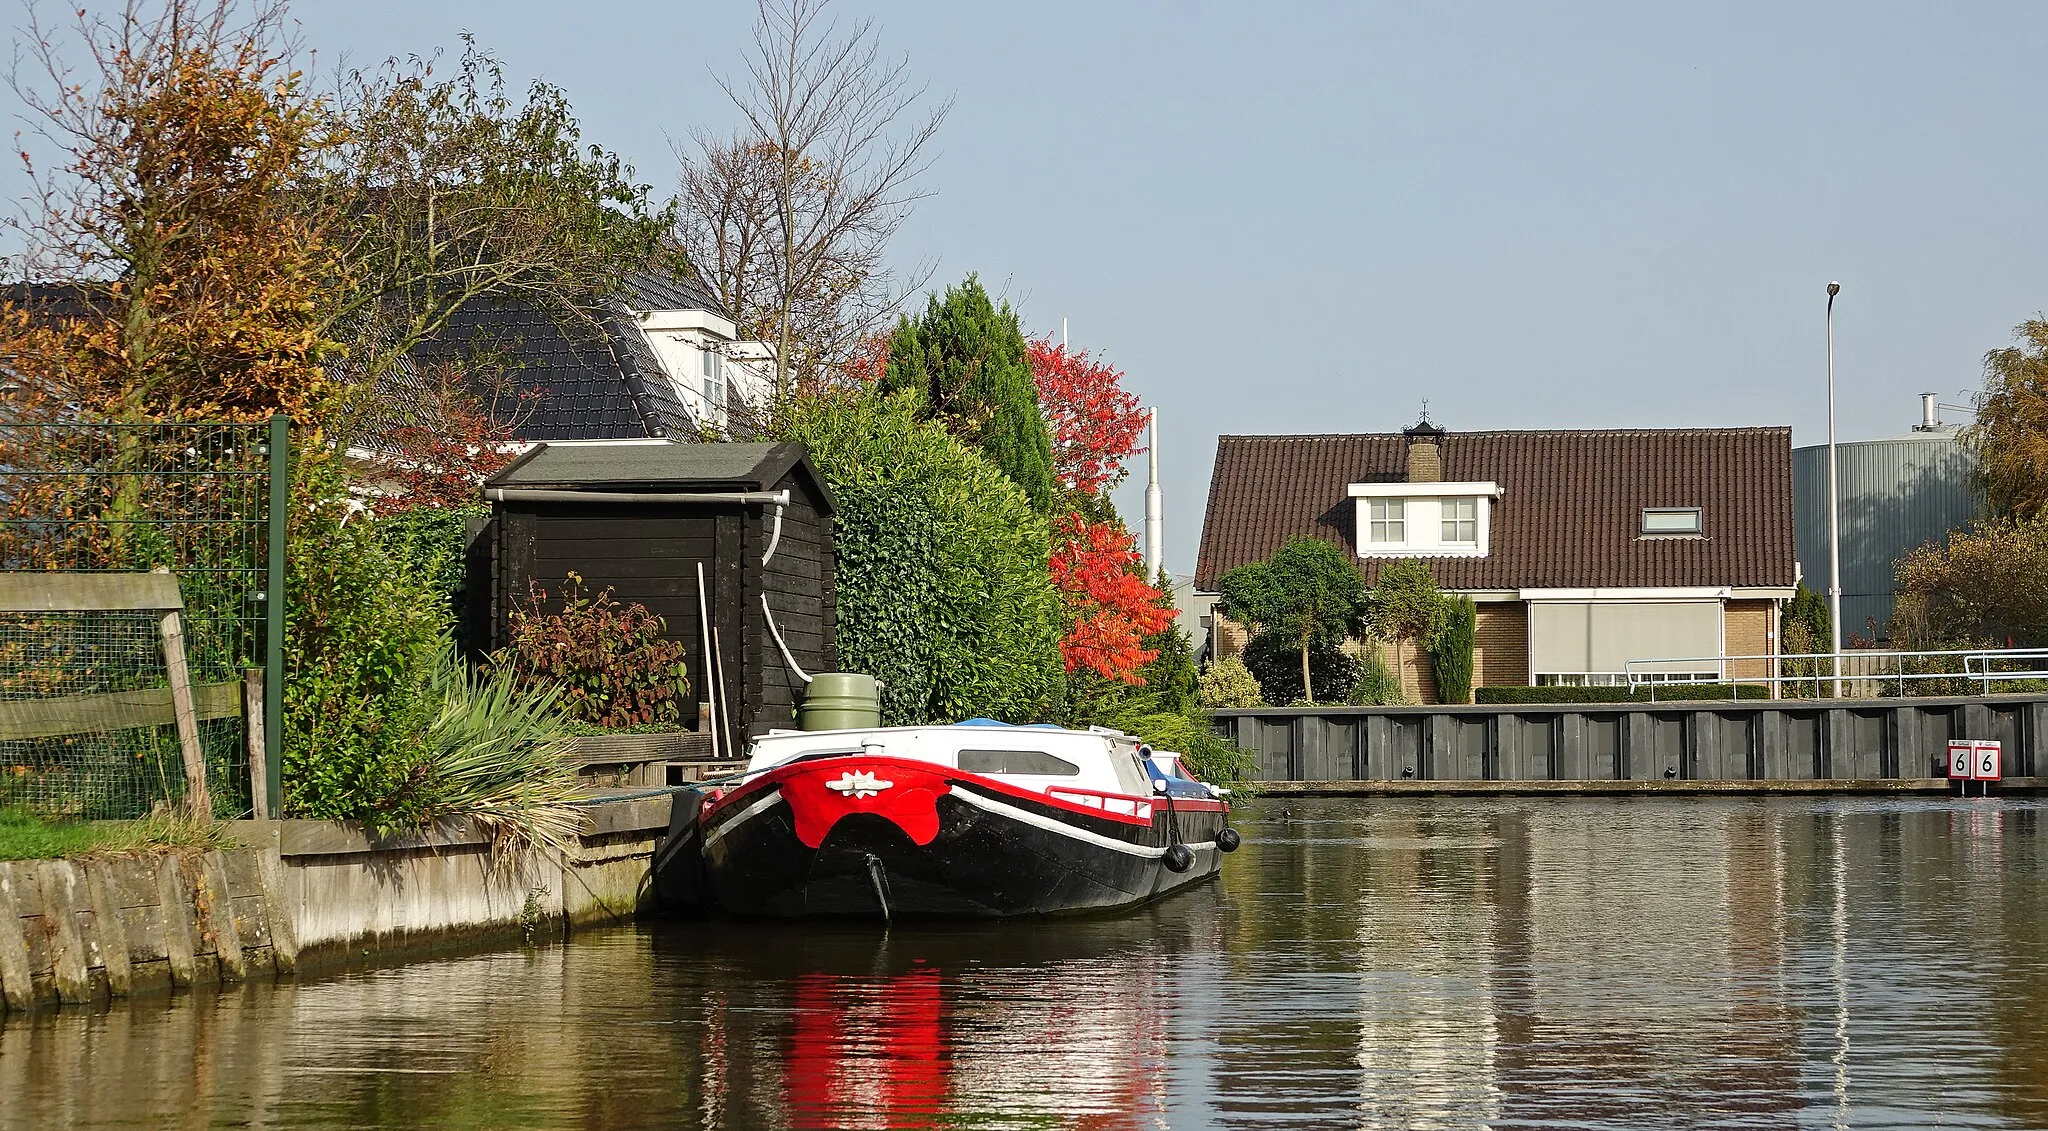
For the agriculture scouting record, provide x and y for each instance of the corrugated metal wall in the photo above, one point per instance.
(1895, 494)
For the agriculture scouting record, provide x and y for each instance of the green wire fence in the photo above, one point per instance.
(202, 500)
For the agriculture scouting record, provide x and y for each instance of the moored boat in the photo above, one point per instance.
(977, 819)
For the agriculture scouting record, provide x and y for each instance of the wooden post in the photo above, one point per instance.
(259, 774)
(197, 800)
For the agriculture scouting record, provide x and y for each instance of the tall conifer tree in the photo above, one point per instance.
(966, 358)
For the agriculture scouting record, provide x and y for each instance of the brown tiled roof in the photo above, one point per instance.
(1570, 510)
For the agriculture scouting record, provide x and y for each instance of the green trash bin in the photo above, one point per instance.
(840, 701)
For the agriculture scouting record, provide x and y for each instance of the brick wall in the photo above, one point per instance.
(1746, 632)
(1500, 646)
(1231, 637)
(1418, 683)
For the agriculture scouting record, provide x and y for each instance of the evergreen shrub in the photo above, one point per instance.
(1275, 660)
(1450, 649)
(941, 572)
(1227, 684)
(362, 637)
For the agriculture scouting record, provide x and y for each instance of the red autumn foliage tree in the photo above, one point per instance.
(1094, 422)
(1095, 568)
(440, 448)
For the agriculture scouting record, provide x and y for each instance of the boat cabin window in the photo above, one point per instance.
(1016, 762)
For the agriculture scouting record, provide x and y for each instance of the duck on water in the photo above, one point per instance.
(978, 819)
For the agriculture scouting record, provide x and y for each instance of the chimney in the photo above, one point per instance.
(1425, 452)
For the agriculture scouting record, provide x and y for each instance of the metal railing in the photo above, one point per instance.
(1862, 674)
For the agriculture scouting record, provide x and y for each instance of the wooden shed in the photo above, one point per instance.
(639, 517)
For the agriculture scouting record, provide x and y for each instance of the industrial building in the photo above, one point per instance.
(1896, 494)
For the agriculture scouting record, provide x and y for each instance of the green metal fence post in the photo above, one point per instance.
(273, 615)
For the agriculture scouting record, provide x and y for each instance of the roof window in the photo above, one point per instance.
(1672, 522)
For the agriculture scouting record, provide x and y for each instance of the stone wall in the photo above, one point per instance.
(303, 892)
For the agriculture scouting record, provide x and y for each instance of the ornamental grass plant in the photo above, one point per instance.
(498, 752)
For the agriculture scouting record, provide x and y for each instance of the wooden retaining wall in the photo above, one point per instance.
(299, 893)
(1825, 744)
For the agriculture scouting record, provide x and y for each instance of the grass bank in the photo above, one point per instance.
(24, 836)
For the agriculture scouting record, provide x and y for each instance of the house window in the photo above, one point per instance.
(1389, 520)
(1669, 522)
(714, 380)
(1461, 521)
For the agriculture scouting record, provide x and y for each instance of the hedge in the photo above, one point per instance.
(942, 588)
(1666, 693)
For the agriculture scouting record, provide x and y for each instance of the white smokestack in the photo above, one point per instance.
(1155, 520)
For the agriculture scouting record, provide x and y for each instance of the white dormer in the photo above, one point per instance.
(708, 368)
(1424, 520)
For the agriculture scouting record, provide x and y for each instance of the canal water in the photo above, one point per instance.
(1547, 963)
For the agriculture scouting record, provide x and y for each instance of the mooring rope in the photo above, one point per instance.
(657, 791)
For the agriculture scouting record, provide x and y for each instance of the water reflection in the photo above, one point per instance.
(1595, 963)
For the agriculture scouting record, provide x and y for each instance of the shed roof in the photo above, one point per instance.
(1570, 511)
(668, 463)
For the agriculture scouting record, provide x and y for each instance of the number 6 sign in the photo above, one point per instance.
(1962, 758)
(1974, 760)
(1984, 764)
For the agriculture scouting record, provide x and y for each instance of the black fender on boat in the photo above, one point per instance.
(679, 882)
(1228, 840)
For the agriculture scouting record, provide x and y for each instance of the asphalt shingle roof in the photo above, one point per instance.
(669, 465)
(1569, 516)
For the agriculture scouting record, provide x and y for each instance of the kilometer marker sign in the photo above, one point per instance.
(1975, 759)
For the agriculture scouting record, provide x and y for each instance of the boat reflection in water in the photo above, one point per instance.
(938, 1027)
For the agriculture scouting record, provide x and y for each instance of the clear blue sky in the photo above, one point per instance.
(1303, 218)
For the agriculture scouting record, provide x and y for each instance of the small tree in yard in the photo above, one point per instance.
(1406, 605)
(1308, 594)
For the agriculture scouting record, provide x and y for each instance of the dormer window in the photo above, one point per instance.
(714, 381)
(1423, 519)
(1672, 522)
(1388, 521)
(1461, 522)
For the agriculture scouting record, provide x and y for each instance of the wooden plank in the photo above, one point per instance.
(259, 768)
(58, 592)
(197, 799)
(120, 710)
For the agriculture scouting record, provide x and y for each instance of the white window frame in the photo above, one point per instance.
(1697, 528)
(1460, 514)
(1387, 522)
(712, 369)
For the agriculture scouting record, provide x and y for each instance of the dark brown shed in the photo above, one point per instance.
(639, 516)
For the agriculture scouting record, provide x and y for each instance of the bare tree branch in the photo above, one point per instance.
(789, 218)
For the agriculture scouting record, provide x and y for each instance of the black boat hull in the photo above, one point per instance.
(996, 853)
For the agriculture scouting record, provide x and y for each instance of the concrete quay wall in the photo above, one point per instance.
(300, 894)
(1824, 745)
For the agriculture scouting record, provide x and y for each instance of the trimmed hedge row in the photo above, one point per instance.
(1668, 693)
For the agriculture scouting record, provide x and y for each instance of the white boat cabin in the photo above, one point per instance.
(1091, 767)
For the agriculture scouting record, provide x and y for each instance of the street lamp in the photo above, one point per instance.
(1834, 513)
